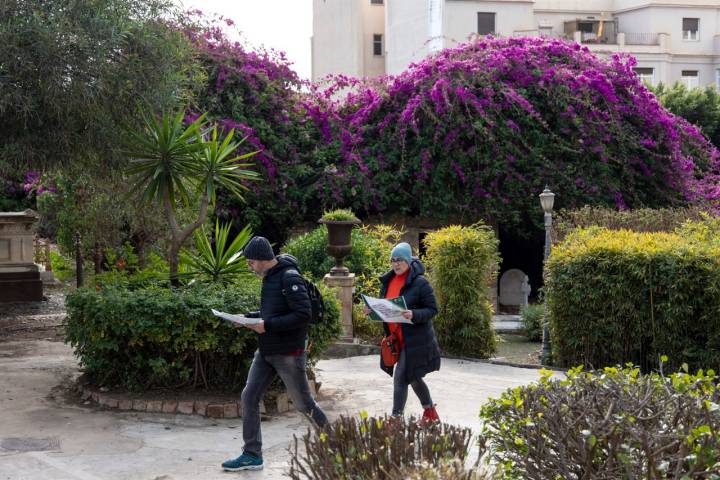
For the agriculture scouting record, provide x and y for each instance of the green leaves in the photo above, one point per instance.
(163, 157)
(611, 424)
(463, 260)
(220, 260)
(146, 337)
(185, 161)
(218, 167)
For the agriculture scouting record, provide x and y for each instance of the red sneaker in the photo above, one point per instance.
(430, 415)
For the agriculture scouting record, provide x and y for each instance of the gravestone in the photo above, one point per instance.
(514, 290)
(19, 276)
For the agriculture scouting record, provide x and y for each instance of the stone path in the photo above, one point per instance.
(47, 432)
(43, 436)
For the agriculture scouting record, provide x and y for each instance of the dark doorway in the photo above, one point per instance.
(525, 254)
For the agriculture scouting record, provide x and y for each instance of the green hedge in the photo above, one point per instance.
(637, 220)
(155, 336)
(612, 424)
(621, 296)
(462, 262)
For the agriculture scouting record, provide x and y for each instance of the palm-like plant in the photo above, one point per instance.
(172, 162)
(221, 260)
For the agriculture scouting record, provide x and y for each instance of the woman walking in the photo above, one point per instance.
(418, 346)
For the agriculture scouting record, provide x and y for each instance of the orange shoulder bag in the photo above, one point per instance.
(389, 350)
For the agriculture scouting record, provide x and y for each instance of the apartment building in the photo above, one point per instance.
(673, 40)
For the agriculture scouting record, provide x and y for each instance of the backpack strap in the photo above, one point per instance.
(288, 275)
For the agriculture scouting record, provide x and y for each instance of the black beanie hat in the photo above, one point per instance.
(258, 248)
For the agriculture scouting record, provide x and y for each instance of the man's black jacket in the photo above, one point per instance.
(285, 308)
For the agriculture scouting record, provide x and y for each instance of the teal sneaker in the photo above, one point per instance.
(243, 462)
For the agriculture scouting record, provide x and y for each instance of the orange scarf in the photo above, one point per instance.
(393, 290)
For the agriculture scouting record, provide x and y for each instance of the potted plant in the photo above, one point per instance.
(339, 225)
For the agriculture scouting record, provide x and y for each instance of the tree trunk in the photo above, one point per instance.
(174, 263)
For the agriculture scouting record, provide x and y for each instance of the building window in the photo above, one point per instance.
(585, 27)
(690, 28)
(376, 2)
(690, 79)
(647, 75)
(377, 44)
(486, 23)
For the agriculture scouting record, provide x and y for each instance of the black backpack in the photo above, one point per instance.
(317, 304)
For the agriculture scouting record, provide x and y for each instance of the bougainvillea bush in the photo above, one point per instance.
(480, 129)
(256, 92)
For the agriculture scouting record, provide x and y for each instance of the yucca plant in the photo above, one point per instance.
(174, 163)
(220, 260)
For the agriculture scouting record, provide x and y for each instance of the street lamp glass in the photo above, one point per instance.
(547, 199)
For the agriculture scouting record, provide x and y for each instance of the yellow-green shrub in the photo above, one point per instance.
(462, 262)
(622, 296)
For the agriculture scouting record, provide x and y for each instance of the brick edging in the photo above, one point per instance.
(202, 407)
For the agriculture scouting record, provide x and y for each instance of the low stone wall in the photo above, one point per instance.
(206, 407)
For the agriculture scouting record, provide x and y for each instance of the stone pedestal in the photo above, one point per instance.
(19, 276)
(344, 285)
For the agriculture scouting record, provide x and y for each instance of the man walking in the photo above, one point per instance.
(285, 311)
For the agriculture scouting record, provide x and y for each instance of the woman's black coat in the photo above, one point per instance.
(421, 347)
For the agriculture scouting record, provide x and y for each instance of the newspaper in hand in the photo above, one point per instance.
(236, 319)
(387, 309)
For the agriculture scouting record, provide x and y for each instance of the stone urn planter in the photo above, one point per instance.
(339, 243)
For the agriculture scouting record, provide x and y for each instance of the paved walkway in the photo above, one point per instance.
(44, 437)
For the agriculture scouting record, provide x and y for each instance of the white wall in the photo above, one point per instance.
(373, 22)
(406, 29)
(568, 6)
(460, 18)
(706, 71)
(337, 38)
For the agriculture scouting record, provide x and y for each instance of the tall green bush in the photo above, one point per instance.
(463, 261)
(621, 296)
(148, 336)
(73, 72)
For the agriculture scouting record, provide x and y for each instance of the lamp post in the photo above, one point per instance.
(547, 199)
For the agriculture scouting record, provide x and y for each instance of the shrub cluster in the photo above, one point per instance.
(608, 425)
(533, 317)
(621, 296)
(463, 261)
(140, 336)
(379, 448)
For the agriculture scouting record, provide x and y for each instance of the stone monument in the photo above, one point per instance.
(19, 276)
(514, 290)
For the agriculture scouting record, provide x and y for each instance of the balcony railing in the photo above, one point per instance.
(631, 38)
(537, 33)
(642, 38)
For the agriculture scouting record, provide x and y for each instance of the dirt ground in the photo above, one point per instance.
(34, 320)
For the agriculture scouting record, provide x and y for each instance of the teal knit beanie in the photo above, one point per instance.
(402, 250)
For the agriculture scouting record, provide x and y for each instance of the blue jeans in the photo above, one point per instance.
(291, 370)
(400, 388)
